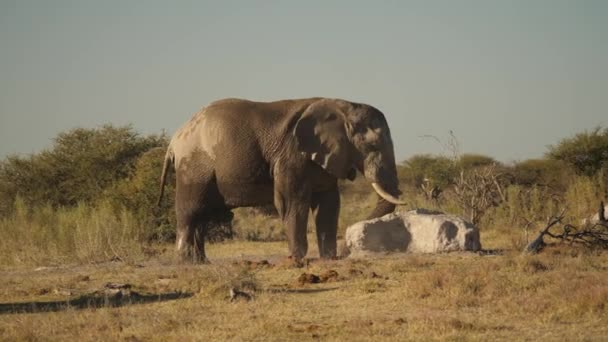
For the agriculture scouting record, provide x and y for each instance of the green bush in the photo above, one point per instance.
(554, 174)
(139, 194)
(81, 164)
(470, 161)
(437, 169)
(587, 152)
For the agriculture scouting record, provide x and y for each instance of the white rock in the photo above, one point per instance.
(416, 231)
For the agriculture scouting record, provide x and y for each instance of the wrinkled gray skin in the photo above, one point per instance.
(239, 153)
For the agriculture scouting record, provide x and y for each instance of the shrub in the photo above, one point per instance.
(81, 164)
(470, 161)
(439, 170)
(551, 173)
(587, 152)
(139, 194)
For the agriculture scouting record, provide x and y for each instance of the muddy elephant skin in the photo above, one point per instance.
(238, 153)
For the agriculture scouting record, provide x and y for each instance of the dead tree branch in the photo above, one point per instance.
(591, 235)
(538, 244)
(479, 189)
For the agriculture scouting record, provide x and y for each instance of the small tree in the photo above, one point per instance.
(479, 189)
(586, 152)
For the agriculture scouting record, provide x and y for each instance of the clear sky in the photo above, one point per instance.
(507, 77)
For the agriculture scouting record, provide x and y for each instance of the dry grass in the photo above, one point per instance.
(81, 234)
(559, 295)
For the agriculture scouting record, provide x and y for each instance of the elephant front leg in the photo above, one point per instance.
(292, 201)
(294, 214)
(326, 210)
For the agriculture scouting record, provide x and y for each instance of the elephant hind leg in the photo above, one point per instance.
(190, 241)
(326, 210)
(192, 206)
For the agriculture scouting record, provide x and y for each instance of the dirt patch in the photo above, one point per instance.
(329, 276)
(252, 265)
(325, 277)
(308, 278)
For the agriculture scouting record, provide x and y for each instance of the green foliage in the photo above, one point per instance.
(470, 161)
(439, 170)
(81, 164)
(139, 193)
(587, 152)
(551, 173)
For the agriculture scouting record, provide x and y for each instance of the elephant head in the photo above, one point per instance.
(343, 137)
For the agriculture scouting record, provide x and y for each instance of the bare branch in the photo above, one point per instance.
(591, 235)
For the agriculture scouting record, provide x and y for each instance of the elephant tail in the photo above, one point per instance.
(169, 157)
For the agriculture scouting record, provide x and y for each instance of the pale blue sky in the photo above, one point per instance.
(508, 77)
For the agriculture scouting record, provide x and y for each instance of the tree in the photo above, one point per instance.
(440, 170)
(586, 152)
(80, 165)
(470, 161)
(554, 174)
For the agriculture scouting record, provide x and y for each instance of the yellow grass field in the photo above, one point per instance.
(560, 294)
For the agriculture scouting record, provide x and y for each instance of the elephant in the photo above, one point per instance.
(290, 153)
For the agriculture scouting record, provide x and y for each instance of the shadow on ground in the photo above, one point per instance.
(92, 300)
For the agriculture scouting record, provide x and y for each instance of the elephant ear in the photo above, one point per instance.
(321, 135)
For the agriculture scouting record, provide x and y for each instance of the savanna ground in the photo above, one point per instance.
(560, 294)
(80, 220)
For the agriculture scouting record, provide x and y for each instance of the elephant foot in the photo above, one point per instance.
(328, 254)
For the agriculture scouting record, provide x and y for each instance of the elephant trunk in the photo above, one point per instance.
(382, 208)
(381, 171)
(386, 202)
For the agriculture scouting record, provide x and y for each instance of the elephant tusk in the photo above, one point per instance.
(386, 195)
